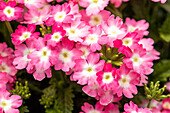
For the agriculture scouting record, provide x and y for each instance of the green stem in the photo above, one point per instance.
(8, 25)
(148, 106)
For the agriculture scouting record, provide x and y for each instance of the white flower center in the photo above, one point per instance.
(56, 37)
(65, 55)
(44, 54)
(5, 104)
(92, 38)
(136, 59)
(95, 20)
(4, 68)
(166, 105)
(124, 81)
(107, 78)
(127, 42)
(25, 35)
(9, 11)
(59, 16)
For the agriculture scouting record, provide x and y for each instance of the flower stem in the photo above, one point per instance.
(43, 27)
(148, 106)
(8, 25)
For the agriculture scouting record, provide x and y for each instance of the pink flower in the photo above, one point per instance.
(56, 35)
(3, 80)
(168, 86)
(31, 3)
(93, 39)
(117, 3)
(147, 44)
(95, 20)
(85, 49)
(139, 61)
(93, 6)
(8, 102)
(133, 108)
(128, 79)
(85, 70)
(107, 79)
(114, 29)
(112, 108)
(67, 55)
(92, 90)
(9, 11)
(106, 97)
(21, 52)
(40, 74)
(59, 14)
(166, 104)
(7, 67)
(5, 51)
(43, 57)
(35, 16)
(162, 1)
(22, 34)
(87, 108)
(76, 30)
(140, 26)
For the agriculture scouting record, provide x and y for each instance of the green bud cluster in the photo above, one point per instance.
(112, 55)
(22, 90)
(154, 92)
(48, 97)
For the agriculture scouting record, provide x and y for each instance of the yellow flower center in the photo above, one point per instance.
(44, 53)
(107, 77)
(65, 55)
(89, 69)
(124, 80)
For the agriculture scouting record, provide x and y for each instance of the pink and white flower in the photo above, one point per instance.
(88, 108)
(140, 26)
(139, 61)
(114, 29)
(85, 70)
(133, 108)
(59, 14)
(128, 79)
(95, 20)
(9, 11)
(23, 33)
(31, 3)
(56, 36)
(9, 103)
(35, 16)
(67, 55)
(93, 6)
(107, 79)
(5, 51)
(76, 30)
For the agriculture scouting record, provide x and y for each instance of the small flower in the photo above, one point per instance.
(8, 102)
(9, 11)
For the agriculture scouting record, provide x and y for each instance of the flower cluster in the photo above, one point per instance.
(98, 50)
(8, 102)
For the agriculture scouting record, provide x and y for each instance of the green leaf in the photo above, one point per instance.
(23, 109)
(166, 7)
(64, 101)
(162, 71)
(165, 30)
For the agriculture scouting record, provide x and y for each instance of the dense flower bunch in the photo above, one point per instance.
(100, 51)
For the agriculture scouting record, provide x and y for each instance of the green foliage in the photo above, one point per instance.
(154, 92)
(63, 102)
(165, 30)
(23, 109)
(22, 90)
(162, 71)
(48, 97)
